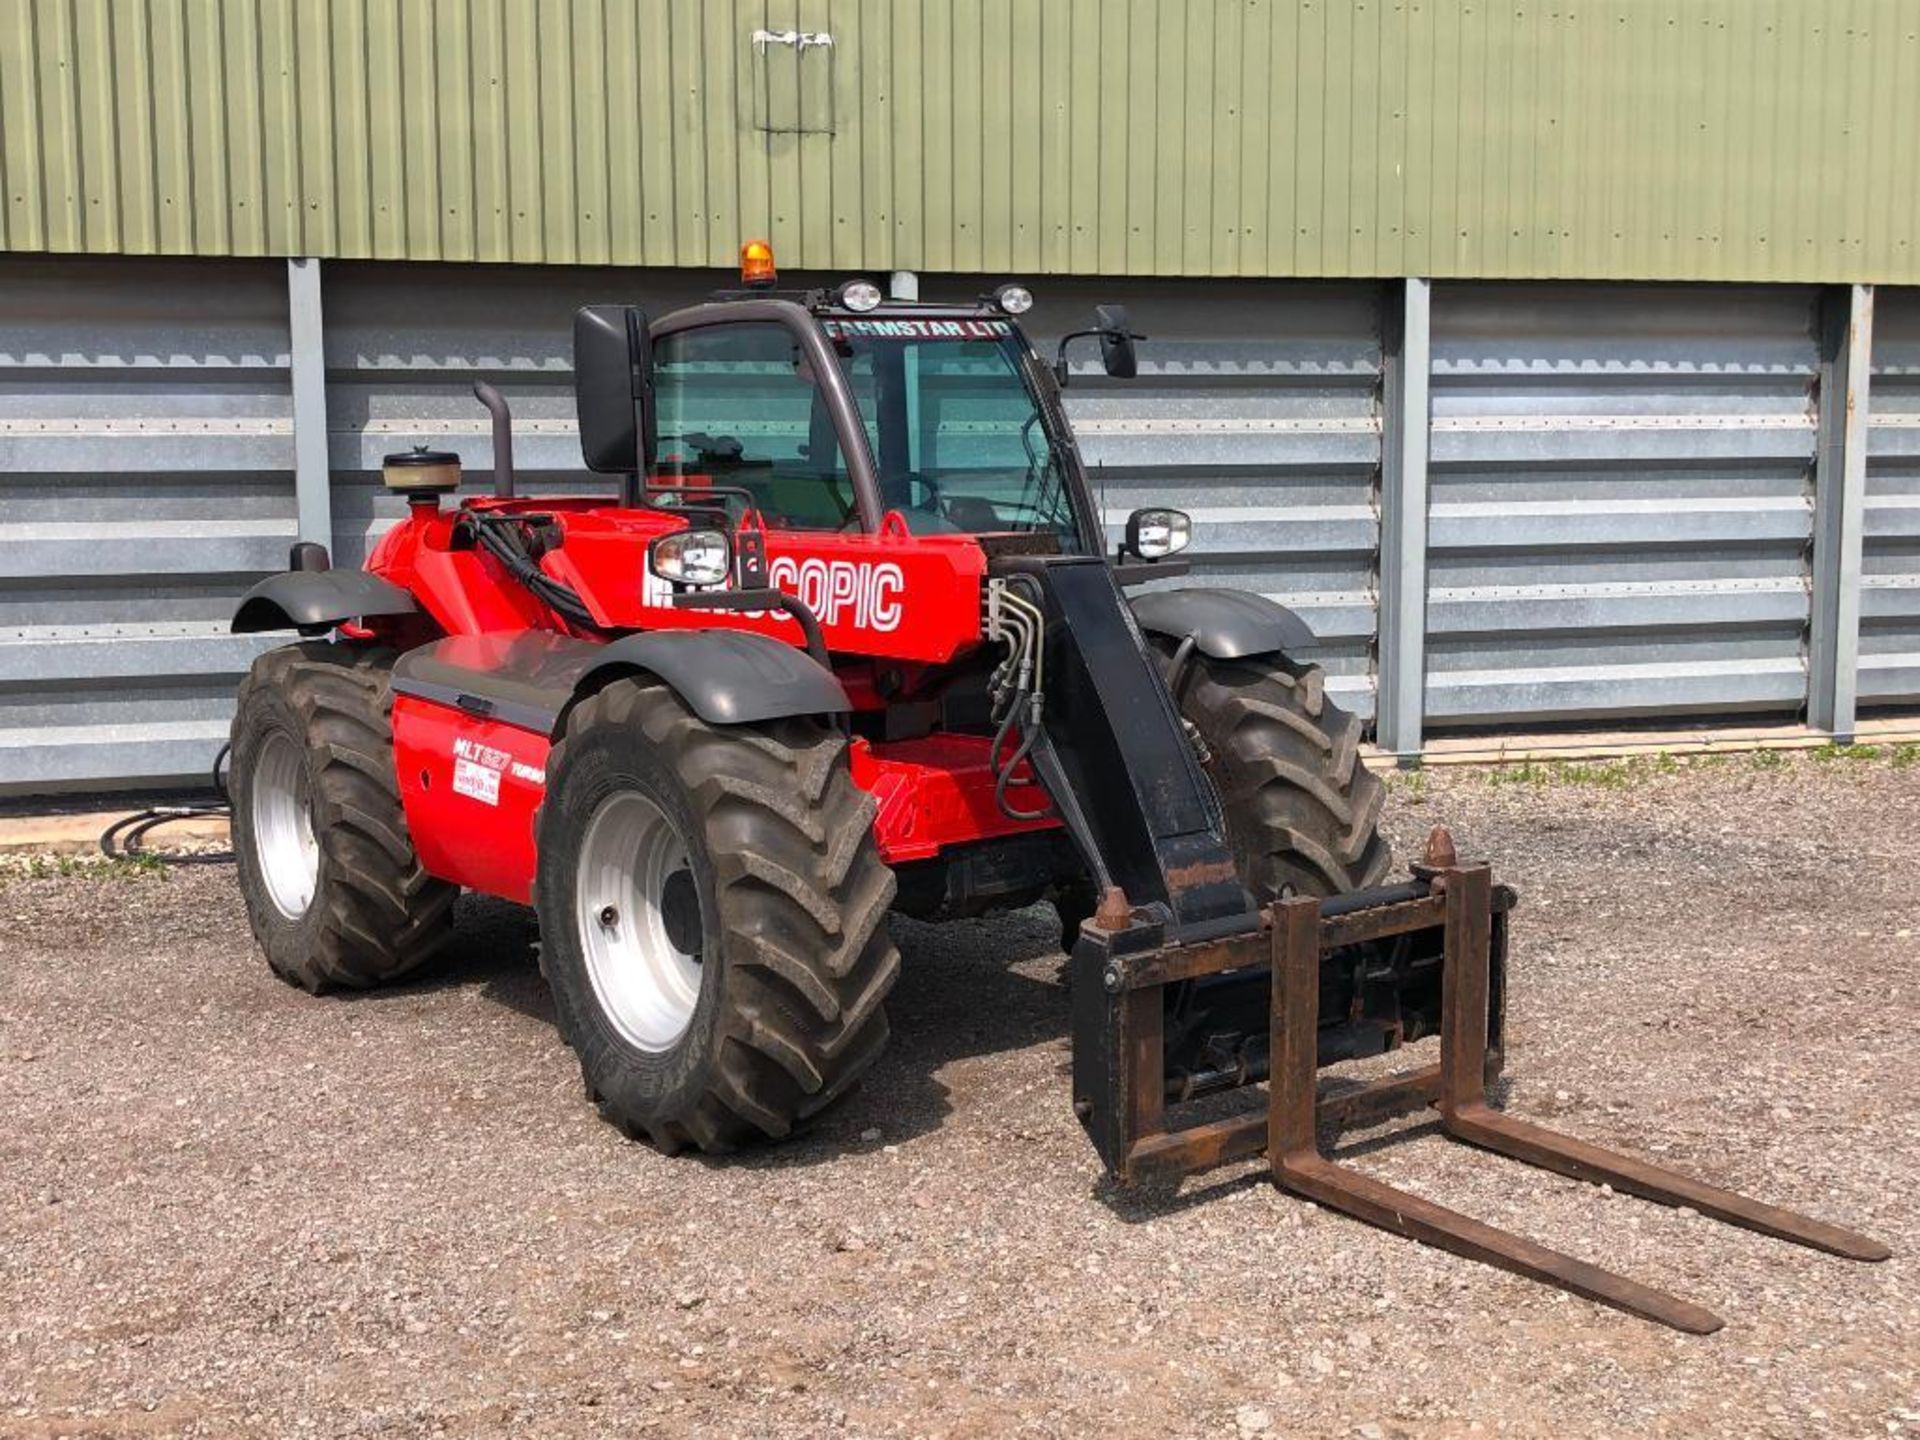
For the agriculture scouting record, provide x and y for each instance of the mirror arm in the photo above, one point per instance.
(496, 404)
(1146, 570)
(1060, 357)
(633, 484)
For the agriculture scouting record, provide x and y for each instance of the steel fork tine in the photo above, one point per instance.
(1368, 1199)
(1465, 1115)
(1299, 1167)
(1478, 1125)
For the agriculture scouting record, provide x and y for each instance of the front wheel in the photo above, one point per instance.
(712, 917)
(1302, 812)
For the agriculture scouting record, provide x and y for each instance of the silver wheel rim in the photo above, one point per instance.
(646, 985)
(283, 840)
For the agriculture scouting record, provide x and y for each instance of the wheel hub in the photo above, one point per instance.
(680, 912)
(637, 910)
(283, 839)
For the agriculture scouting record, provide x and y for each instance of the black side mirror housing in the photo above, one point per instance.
(613, 388)
(1117, 354)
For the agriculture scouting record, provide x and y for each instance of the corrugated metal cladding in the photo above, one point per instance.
(1662, 139)
(1890, 593)
(404, 345)
(1620, 512)
(1621, 501)
(1256, 410)
(146, 475)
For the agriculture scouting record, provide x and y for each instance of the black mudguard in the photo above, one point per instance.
(730, 677)
(314, 601)
(1225, 624)
(726, 677)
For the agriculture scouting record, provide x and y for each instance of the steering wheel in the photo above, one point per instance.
(715, 449)
(898, 493)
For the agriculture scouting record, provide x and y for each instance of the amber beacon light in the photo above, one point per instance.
(756, 265)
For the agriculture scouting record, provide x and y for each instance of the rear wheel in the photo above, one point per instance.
(712, 917)
(1302, 811)
(333, 889)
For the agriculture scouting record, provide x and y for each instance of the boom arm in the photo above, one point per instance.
(1116, 756)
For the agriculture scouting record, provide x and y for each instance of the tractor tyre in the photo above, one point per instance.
(1302, 811)
(332, 885)
(712, 916)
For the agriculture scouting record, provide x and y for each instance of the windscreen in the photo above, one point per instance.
(957, 434)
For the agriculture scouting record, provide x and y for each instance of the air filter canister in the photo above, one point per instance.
(421, 471)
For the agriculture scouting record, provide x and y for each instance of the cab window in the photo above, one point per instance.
(956, 431)
(738, 408)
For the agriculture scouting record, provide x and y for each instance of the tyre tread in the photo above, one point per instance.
(382, 916)
(1302, 811)
(803, 897)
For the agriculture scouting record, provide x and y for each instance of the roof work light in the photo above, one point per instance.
(858, 295)
(1013, 299)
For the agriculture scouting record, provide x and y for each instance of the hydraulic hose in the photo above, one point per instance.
(1020, 623)
(1028, 734)
(503, 544)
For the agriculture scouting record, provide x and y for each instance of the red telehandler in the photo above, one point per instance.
(849, 639)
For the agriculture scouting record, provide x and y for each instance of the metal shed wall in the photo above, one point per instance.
(1620, 525)
(1663, 139)
(146, 453)
(1257, 411)
(1890, 594)
(404, 345)
(1622, 502)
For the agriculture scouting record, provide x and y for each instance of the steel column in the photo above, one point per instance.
(1405, 421)
(1839, 508)
(307, 371)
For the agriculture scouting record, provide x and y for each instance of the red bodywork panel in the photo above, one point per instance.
(892, 595)
(471, 788)
(937, 791)
(472, 785)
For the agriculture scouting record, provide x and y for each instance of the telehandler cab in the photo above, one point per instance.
(848, 639)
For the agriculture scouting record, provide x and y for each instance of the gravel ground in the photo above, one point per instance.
(231, 1209)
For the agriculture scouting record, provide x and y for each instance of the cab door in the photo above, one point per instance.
(743, 406)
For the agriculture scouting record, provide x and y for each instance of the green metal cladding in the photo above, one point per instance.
(1670, 139)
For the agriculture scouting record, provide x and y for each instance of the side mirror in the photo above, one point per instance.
(613, 388)
(1117, 354)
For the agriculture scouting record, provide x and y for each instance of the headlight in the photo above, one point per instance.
(859, 296)
(1013, 299)
(1156, 534)
(692, 557)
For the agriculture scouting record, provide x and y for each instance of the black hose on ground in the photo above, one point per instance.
(121, 839)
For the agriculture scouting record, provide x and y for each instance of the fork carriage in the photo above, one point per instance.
(1452, 919)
